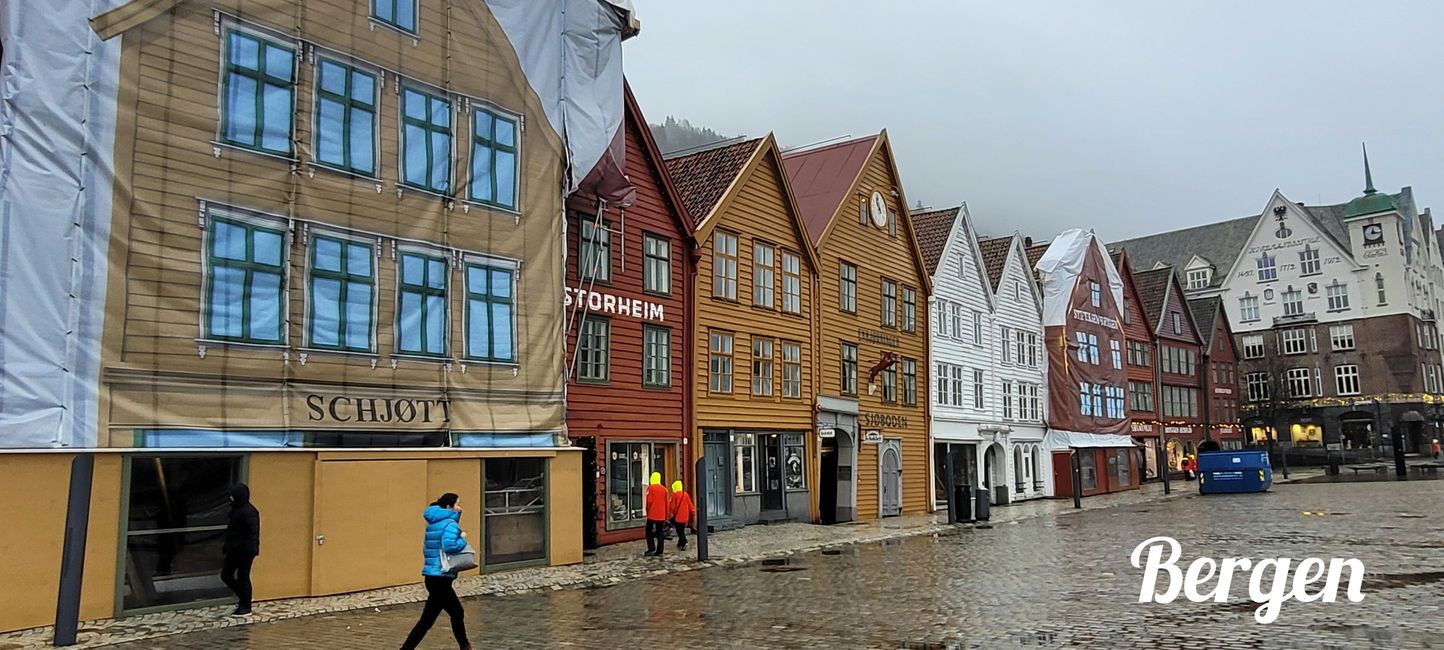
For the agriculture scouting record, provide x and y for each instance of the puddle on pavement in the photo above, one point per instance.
(780, 565)
(832, 551)
(1398, 580)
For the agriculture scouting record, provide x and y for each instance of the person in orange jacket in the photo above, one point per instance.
(657, 511)
(681, 511)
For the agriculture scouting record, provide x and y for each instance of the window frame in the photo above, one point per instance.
(587, 248)
(888, 315)
(764, 269)
(649, 259)
(1245, 344)
(412, 31)
(909, 309)
(490, 299)
(847, 287)
(722, 263)
(650, 332)
(1248, 309)
(348, 105)
(760, 379)
(1340, 377)
(1338, 333)
(1337, 292)
(264, 39)
(427, 254)
(403, 121)
(583, 338)
(848, 367)
(344, 277)
(271, 225)
(792, 278)
(717, 358)
(1309, 258)
(790, 368)
(493, 146)
(909, 381)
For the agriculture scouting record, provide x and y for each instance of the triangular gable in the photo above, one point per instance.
(1266, 220)
(655, 161)
(824, 177)
(965, 235)
(1130, 286)
(1175, 289)
(704, 178)
(1018, 256)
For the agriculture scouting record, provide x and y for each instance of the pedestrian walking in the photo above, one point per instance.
(1434, 448)
(657, 507)
(681, 510)
(443, 535)
(241, 546)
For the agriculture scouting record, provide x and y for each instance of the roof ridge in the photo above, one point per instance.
(701, 149)
(807, 149)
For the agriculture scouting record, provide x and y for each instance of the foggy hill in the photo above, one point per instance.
(676, 135)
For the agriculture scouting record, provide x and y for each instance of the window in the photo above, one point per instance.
(1140, 396)
(1341, 337)
(1338, 294)
(1267, 270)
(245, 290)
(910, 309)
(791, 283)
(594, 352)
(1248, 309)
(977, 389)
(958, 386)
(1005, 340)
(764, 275)
(1180, 402)
(1032, 350)
(1297, 381)
(1346, 379)
(1007, 388)
(889, 303)
(421, 309)
(1017, 291)
(1178, 361)
(891, 223)
(744, 462)
(1309, 261)
(849, 369)
(1088, 468)
(719, 367)
(1085, 398)
(1253, 346)
(889, 383)
(1033, 406)
(977, 328)
(490, 313)
(1087, 348)
(595, 260)
(346, 118)
(1020, 344)
(515, 510)
(1257, 385)
(493, 159)
(910, 382)
(1295, 341)
(1123, 462)
(793, 451)
(1293, 302)
(656, 357)
(1177, 322)
(940, 376)
(343, 284)
(792, 370)
(1379, 286)
(1095, 294)
(847, 288)
(724, 265)
(400, 14)
(1198, 279)
(942, 318)
(628, 465)
(426, 141)
(1140, 354)
(1117, 354)
(657, 264)
(259, 91)
(1116, 406)
(174, 521)
(956, 313)
(862, 217)
(762, 366)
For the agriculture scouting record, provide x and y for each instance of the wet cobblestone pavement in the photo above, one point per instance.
(1061, 581)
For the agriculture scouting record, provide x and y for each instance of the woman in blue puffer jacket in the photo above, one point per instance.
(443, 532)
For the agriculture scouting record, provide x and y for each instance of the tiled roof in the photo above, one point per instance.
(1152, 289)
(995, 257)
(821, 178)
(1035, 253)
(933, 228)
(1204, 311)
(702, 177)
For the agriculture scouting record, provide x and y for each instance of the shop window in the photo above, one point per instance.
(1307, 434)
(516, 523)
(175, 527)
(426, 141)
(744, 462)
(490, 313)
(493, 159)
(346, 118)
(1089, 465)
(258, 90)
(628, 469)
(400, 14)
(421, 313)
(793, 453)
(245, 287)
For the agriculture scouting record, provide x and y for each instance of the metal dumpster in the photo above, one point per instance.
(1226, 472)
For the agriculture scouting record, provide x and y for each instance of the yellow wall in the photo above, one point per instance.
(34, 511)
(564, 509)
(281, 487)
(97, 595)
(462, 476)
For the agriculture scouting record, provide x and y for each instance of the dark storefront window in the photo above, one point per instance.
(1088, 464)
(626, 478)
(175, 522)
(515, 510)
(792, 455)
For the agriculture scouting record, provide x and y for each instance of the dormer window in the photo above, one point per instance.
(1199, 279)
(1309, 261)
(1268, 271)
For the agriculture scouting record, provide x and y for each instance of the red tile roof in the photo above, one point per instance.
(702, 177)
(821, 178)
(995, 257)
(932, 228)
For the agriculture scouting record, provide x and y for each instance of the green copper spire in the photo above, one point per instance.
(1372, 202)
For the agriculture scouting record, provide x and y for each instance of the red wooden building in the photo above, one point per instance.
(1220, 373)
(1143, 407)
(628, 282)
(1177, 357)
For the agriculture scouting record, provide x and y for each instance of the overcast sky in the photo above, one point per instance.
(1127, 117)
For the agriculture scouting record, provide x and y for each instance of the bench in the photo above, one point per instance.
(1377, 468)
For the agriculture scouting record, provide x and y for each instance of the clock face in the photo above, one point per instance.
(879, 210)
(1373, 232)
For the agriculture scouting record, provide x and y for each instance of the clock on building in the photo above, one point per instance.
(879, 210)
(1373, 234)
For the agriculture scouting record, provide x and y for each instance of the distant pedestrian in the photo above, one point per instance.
(242, 545)
(656, 515)
(1434, 448)
(681, 510)
(443, 533)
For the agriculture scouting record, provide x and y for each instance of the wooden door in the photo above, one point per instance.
(890, 480)
(368, 526)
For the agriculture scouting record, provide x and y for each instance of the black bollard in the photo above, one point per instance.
(699, 479)
(1077, 481)
(72, 554)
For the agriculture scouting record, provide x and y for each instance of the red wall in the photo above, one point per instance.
(1106, 482)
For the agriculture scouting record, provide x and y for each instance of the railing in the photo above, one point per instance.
(1306, 317)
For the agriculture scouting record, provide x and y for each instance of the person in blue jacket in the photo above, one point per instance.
(443, 533)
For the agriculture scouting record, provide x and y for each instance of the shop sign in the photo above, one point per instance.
(1178, 429)
(1222, 391)
(338, 409)
(827, 433)
(1140, 427)
(598, 302)
(1228, 429)
(884, 420)
(872, 437)
(880, 338)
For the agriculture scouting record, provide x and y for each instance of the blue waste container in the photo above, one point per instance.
(1230, 472)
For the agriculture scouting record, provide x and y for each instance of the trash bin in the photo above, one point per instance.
(962, 504)
(984, 501)
(1225, 472)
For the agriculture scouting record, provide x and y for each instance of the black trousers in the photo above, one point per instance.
(656, 536)
(439, 596)
(681, 527)
(236, 573)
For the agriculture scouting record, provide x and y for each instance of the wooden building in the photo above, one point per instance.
(1180, 405)
(753, 334)
(629, 276)
(1143, 421)
(872, 331)
(1218, 371)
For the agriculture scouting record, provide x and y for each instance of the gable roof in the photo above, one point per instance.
(821, 178)
(1152, 288)
(1205, 314)
(933, 228)
(994, 252)
(704, 177)
(655, 160)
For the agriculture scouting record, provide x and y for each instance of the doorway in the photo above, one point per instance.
(771, 471)
(827, 482)
(889, 480)
(346, 527)
(716, 451)
(591, 513)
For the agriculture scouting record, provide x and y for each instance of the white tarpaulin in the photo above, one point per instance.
(1061, 264)
(1059, 440)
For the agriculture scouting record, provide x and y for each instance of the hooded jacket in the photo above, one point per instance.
(443, 532)
(681, 507)
(657, 508)
(243, 529)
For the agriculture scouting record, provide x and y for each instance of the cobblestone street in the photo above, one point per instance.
(1043, 582)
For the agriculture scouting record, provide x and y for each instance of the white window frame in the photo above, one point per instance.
(1341, 337)
(1346, 379)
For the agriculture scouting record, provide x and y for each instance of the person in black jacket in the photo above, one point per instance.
(242, 545)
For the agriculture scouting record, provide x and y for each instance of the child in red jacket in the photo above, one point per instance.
(681, 510)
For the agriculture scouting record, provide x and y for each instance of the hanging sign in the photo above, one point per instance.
(872, 437)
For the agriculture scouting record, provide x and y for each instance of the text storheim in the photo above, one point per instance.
(1195, 582)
